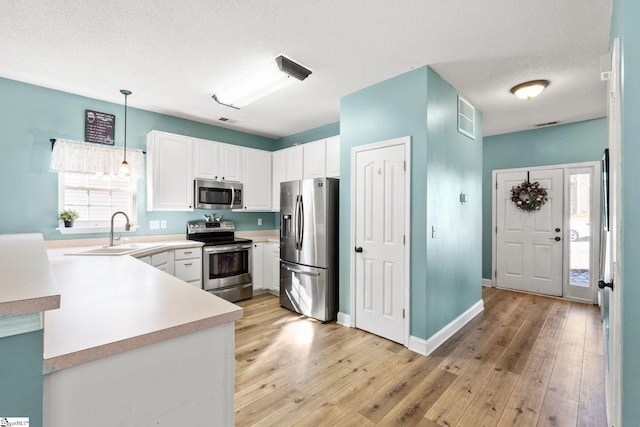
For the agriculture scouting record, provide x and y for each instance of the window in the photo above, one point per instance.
(96, 198)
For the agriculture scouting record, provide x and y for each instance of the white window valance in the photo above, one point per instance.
(89, 158)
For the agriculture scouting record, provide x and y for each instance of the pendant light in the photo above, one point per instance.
(124, 166)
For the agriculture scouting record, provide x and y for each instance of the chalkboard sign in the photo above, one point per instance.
(99, 127)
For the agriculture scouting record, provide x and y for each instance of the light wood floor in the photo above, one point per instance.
(526, 360)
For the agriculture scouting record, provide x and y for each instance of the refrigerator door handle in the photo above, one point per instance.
(295, 223)
(295, 270)
(301, 222)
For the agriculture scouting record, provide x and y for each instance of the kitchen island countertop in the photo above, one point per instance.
(112, 304)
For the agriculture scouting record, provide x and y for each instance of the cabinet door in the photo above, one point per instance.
(279, 174)
(256, 264)
(169, 172)
(257, 180)
(295, 163)
(230, 162)
(333, 157)
(314, 156)
(204, 159)
(275, 267)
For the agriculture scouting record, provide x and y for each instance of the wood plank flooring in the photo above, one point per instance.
(526, 360)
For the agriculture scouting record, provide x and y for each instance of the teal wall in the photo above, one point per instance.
(570, 143)
(31, 115)
(309, 135)
(21, 377)
(396, 108)
(626, 14)
(454, 258)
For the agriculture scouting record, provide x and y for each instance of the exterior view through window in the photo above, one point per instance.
(579, 228)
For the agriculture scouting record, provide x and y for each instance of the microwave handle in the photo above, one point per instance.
(232, 197)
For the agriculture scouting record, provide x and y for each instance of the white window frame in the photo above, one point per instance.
(84, 226)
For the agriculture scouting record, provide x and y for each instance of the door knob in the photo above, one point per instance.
(358, 249)
(557, 229)
(557, 238)
(602, 284)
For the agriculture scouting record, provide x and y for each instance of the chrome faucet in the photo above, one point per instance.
(127, 227)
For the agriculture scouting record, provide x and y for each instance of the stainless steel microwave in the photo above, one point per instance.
(210, 194)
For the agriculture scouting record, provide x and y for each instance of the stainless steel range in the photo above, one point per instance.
(226, 259)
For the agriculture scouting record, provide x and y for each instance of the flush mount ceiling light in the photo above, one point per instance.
(124, 166)
(262, 81)
(528, 90)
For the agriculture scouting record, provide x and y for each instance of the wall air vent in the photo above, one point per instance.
(466, 118)
(541, 125)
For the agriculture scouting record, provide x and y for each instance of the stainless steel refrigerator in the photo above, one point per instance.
(309, 247)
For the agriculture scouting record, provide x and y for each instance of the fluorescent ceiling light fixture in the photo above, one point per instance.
(262, 81)
(528, 90)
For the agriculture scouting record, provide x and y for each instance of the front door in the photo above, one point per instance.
(529, 245)
(380, 204)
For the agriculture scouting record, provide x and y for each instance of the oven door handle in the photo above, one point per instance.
(226, 248)
(295, 270)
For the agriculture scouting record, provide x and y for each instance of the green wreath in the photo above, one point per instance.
(528, 196)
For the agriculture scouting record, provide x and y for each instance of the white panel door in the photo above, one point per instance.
(529, 244)
(379, 232)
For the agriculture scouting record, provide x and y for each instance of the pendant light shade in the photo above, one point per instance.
(124, 167)
(531, 89)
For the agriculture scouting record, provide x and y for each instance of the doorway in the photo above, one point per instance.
(379, 235)
(552, 250)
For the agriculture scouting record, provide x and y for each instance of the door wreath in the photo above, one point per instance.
(528, 196)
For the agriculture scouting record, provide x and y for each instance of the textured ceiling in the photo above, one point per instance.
(174, 54)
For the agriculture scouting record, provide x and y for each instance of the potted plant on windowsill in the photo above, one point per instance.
(68, 216)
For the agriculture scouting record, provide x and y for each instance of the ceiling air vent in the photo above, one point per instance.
(295, 70)
(541, 125)
(466, 118)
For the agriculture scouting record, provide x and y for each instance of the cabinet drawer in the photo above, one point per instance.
(188, 253)
(188, 270)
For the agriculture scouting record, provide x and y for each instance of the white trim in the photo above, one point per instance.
(427, 347)
(406, 142)
(488, 283)
(16, 324)
(344, 319)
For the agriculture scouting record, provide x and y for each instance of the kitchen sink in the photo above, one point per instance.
(116, 250)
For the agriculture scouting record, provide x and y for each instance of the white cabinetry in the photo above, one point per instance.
(314, 159)
(257, 263)
(204, 159)
(162, 261)
(287, 165)
(257, 180)
(273, 259)
(188, 266)
(333, 157)
(169, 166)
(216, 160)
(266, 267)
(229, 162)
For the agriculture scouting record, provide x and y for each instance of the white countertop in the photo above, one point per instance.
(27, 283)
(112, 304)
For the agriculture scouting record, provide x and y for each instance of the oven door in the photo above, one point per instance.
(226, 265)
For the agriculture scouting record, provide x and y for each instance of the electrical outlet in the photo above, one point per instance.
(259, 221)
(163, 224)
(154, 225)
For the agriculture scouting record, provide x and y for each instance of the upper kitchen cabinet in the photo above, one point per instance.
(287, 165)
(314, 159)
(230, 162)
(169, 166)
(216, 160)
(257, 180)
(333, 157)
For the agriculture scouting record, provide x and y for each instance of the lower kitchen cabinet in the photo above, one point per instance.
(266, 267)
(163, 261)
(188, 266)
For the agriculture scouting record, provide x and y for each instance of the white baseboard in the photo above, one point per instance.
(425, 348)
(344, 320)
(487, 283)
